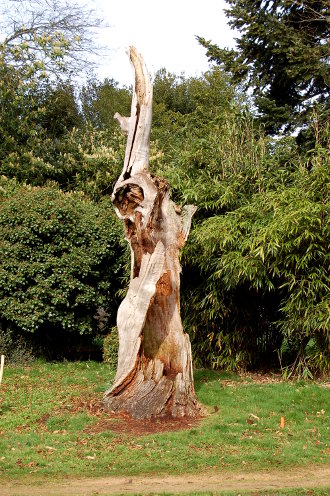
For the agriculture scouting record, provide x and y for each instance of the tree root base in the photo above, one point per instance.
(148, 399)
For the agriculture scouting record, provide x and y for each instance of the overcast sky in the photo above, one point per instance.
(163, 32)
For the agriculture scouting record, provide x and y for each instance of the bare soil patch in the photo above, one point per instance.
(307, 478)
(123, 423)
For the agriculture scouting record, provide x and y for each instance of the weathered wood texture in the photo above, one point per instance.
(154, 375)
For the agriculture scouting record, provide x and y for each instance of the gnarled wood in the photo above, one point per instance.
(154, 374)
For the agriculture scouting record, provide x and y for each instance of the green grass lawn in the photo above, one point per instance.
(46, 416)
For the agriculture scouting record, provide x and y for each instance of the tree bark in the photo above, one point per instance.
(154, 374)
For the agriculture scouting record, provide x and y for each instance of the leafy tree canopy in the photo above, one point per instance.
(100, 101)
(47, 36)
(43, 44)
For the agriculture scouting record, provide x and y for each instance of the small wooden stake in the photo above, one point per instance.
(2, 363)
(282, 422)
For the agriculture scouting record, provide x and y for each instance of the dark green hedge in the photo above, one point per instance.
(61, 259)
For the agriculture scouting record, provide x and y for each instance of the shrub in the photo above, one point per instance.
(84, 160)
(110, 348)
(16, 350)
(62, 258)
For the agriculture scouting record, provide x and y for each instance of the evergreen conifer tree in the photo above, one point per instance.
(283, 54)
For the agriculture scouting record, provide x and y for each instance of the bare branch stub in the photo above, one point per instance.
(154, 375)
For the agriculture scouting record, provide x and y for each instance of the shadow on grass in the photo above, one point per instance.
(4, 407)
(205, 376)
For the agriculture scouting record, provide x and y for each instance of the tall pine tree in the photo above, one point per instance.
(283, 54)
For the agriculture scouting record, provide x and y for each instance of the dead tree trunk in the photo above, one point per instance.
(154, 375)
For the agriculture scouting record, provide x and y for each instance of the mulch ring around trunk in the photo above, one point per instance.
(123, 423)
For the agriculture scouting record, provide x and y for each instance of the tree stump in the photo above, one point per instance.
(154, 375)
